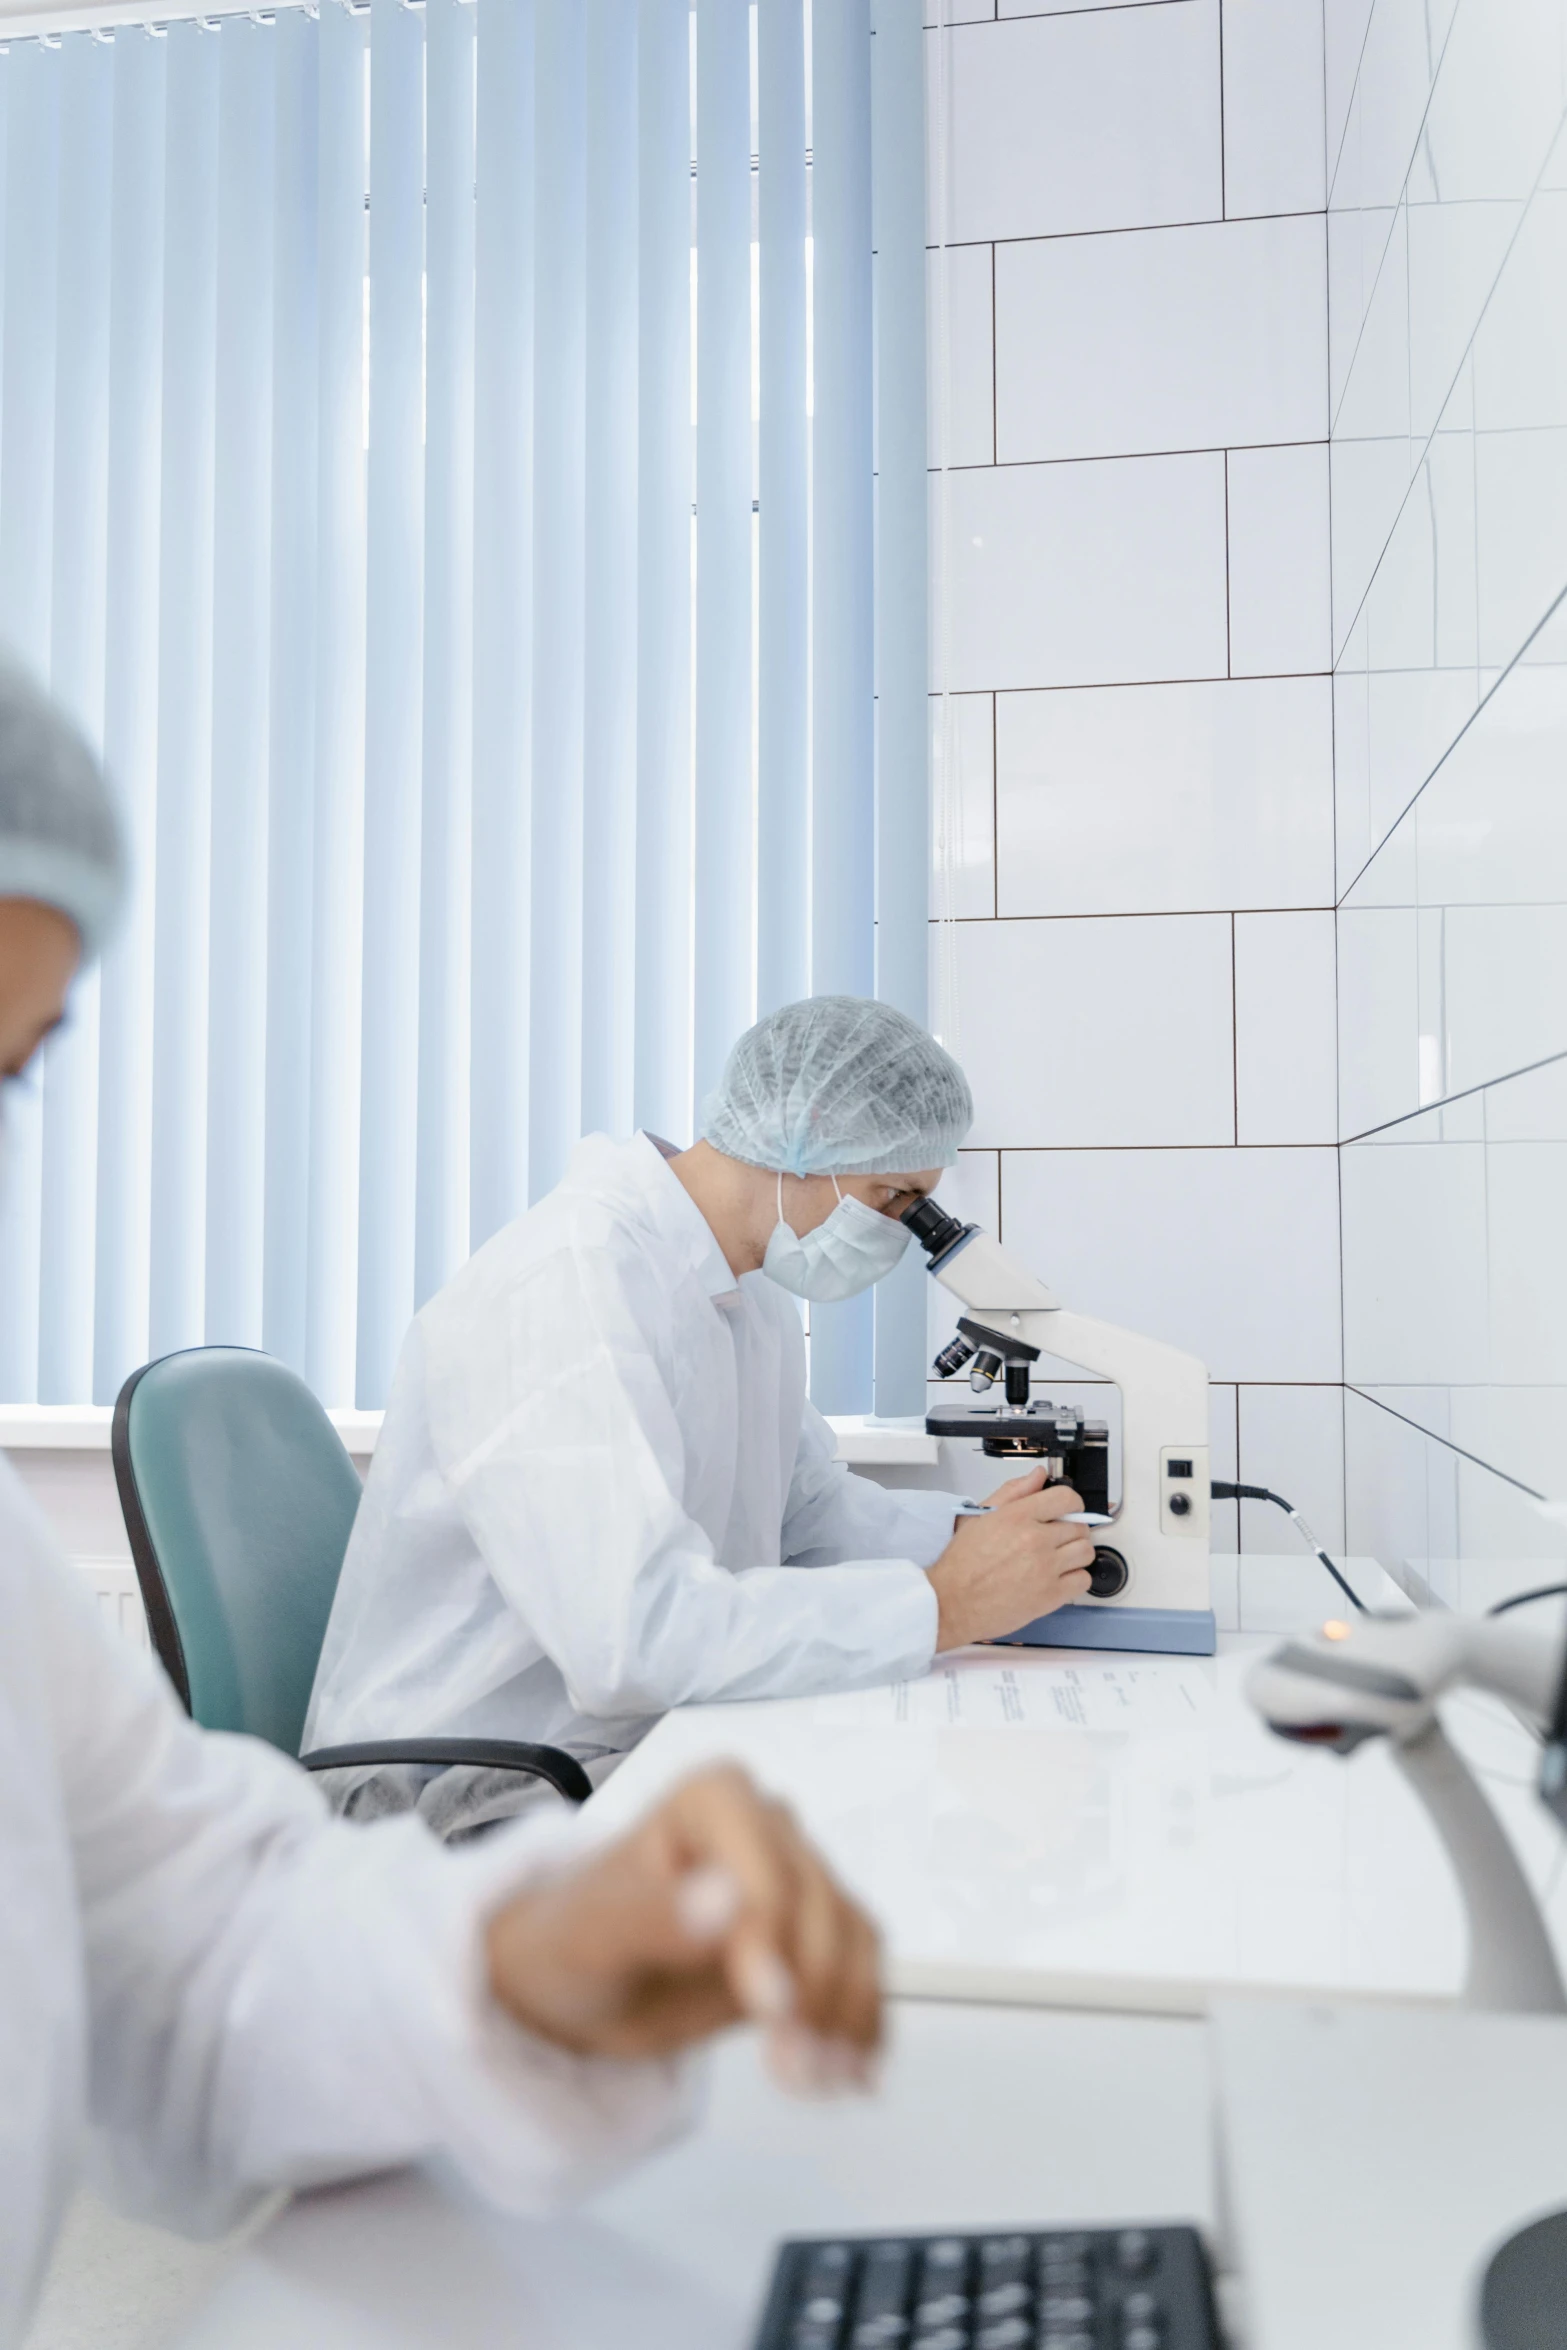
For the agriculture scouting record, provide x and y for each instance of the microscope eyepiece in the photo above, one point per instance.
(934, 1229)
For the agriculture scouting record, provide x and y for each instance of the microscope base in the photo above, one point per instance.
(1153, 1631)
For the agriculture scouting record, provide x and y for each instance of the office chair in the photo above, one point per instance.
(238, 1499)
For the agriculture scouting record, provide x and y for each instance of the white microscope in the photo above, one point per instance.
(1149, 1588)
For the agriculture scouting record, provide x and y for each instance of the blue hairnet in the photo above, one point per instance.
(839, 1086)
(60, 839)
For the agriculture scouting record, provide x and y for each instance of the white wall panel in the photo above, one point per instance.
(1369, 482)
(1496, 107)
(1273, 106)
(1280, 592)
(1230, 1254)
(1379, 1015)
(1391, 728)
(1088, 574)
(1224, 1463)
(1098, 1032)
(1178, 338)
(1415, 1298)
(1344, 25)
(961, 408)
(1357, 248)
(1371, 345)
(1286, 1045)
(963, 829)
(1100, 119)
(1454, 252)
(1398, 63)
(1159, 798)
(1292, 1441)
(1421, 607)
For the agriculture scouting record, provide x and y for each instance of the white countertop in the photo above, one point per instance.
(1101, 1831)
(85, 1427)
(1053, 1829)
(987, 2118)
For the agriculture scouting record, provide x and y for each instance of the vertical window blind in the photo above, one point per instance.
(465, 464)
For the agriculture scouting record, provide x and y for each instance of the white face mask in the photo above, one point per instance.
(844, 1255)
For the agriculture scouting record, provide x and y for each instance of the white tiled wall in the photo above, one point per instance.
(1133, 622)
(1447, 241)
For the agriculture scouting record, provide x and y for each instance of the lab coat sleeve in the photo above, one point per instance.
(833, 1515)
(278, 1998)
(569, 1468)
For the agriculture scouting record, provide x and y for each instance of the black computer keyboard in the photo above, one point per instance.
(1087, 2289)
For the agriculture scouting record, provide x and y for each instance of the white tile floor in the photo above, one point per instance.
(115, 2286)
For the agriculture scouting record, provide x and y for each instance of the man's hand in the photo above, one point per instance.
(1016, 1562)
(714, 1909)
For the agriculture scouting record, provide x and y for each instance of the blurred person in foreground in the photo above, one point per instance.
(210, 1988)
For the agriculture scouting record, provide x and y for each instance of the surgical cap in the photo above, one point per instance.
(60, 838)
(839, 1086)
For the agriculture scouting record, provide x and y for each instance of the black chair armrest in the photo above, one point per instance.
(564, 1773)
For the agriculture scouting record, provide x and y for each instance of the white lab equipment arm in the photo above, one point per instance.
(1350, 1682)
(275, 1997)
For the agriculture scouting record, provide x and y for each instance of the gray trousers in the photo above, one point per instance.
(456, 1801)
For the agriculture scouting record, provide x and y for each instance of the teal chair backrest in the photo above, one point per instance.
(238, 1499)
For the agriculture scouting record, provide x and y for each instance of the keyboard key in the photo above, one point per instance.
(1004, 2300)
(1134, 2251)
(1007, 2335)
(1066, 2342)
(1141, 2338)
(1066, 2309)
(1076, 2278)
(1138, 2309)
(942, 2309)
(941, 2338)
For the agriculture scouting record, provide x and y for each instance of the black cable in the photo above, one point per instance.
(1223, 1492)
(1522, 1598)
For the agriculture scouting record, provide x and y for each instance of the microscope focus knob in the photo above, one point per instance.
(1180, 1505)
(1109, 1574)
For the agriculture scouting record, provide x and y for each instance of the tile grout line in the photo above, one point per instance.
(1137, 456)
(995, 368)
(1152, 914)
(1235, 1039)
(1128, 228)
(1224, 193)
(995, 814)
(1229, 650)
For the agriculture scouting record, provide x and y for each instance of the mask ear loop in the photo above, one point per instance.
(832, 1179)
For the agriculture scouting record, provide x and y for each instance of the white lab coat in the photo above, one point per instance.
(209, 1987)
(597, 1486)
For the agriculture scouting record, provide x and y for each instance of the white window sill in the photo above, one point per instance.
(72, 1427)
